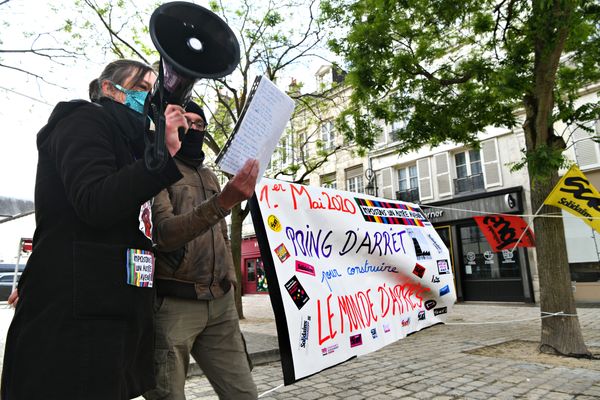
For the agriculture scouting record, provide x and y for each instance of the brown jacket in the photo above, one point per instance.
(190, 233)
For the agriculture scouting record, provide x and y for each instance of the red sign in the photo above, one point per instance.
(26, 245)
(503, 231)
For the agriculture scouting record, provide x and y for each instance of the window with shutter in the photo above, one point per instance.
(424, 174)
(329, 181)
(354, 179)
(327, 135)
(442, 170)
(408, 184)
(469, 175)
(586, 150)
(492, 174)
(384, 183)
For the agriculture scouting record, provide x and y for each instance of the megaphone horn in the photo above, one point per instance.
(194, 43)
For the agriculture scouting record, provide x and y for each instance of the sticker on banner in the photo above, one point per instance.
(443, 267)
(356, 340)
(421, 247)
(304, 331)
(329, 349)
(445, 290)
(282, 252)
(384, 212)
(435, 244)
(419, 270)
(429, 304)
(305, 268)
(274, 223)
(140, 268)
(296, 292)
(441, 310)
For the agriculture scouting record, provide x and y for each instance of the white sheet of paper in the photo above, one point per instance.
(260, 129)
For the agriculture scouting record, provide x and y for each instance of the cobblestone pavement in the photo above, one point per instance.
(431, 364)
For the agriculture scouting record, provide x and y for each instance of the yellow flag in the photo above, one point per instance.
(575, 194)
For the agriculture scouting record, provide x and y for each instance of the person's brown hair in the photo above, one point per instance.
(118, 71)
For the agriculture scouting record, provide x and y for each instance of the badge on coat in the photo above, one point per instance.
(146, 219)
(140, 268)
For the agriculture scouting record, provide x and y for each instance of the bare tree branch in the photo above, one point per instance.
(211, 143)
(114, 35)
(280, 64)
(32, 74)
(54, 54)
(40, 52)
(25, 95)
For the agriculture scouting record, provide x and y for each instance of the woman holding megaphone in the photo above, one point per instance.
(83, 325)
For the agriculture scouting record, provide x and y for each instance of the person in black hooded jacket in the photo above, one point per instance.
(83, 325)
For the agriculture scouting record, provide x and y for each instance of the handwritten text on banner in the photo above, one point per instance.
(355, 272)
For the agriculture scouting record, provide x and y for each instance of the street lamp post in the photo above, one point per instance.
(371, 187)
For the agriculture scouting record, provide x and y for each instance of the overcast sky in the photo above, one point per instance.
(26, 102)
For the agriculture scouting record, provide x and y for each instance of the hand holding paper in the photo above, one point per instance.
(240, 187)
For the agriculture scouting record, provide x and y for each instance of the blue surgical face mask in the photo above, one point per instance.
(134, 99)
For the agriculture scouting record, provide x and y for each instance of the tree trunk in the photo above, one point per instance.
(237, 218)
(559, 334)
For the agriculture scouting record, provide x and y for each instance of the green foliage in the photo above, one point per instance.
(113, 28)
(273, 18)
(68, 27)
(545, 160)
(450, 69)
(214, 6)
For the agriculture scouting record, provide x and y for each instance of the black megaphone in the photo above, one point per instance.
(193, 43)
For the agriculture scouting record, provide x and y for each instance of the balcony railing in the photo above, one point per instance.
(471, 183)
(411, 195)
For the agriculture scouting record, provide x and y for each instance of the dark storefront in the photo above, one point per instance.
(480, 273)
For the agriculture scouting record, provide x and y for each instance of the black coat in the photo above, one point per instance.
(79, 331)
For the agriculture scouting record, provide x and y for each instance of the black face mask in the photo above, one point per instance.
(191, 147)
(131, 124)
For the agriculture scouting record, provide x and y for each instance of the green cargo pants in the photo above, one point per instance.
(208, 330)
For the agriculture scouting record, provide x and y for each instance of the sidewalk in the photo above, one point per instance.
(437, 363)
(443, 362)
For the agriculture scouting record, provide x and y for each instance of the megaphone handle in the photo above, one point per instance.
(156, 150)
(181, 132)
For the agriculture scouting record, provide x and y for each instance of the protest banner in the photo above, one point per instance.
(348, 273)
(505, 231)
(575, 194)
